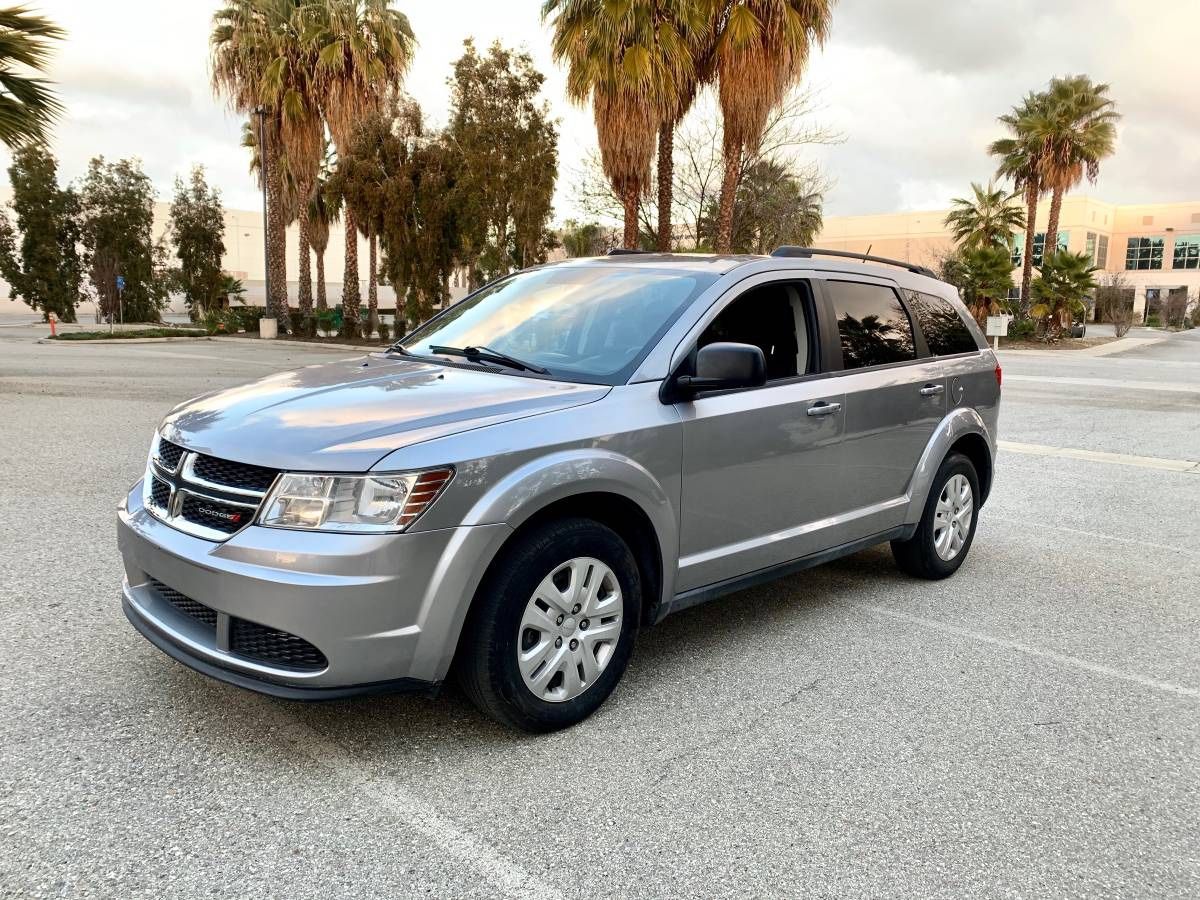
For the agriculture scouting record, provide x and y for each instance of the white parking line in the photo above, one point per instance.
(991, 516)
(1175, 387)
(1029, 650)
(1121, 459)
(507, 877)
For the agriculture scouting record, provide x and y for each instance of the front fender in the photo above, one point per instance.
(958, 423)
(532, 487)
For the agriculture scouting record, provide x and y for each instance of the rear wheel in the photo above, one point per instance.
(552, 628)
(947, 528)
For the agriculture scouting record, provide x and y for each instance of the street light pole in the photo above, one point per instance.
(262, 171)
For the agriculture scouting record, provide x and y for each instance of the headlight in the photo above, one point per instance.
(378, 502)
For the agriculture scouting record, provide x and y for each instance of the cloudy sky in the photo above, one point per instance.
(914, 87)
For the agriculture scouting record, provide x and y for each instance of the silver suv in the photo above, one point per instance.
(570, 453)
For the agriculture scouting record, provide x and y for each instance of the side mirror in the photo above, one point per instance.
(723, 366)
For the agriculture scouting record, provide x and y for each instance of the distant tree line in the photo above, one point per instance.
(63, 245)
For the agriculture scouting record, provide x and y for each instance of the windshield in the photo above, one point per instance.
(585, 323)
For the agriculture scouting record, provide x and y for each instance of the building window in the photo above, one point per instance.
(1039, 246)
(1102, 252)
(1090, 246)
(1187, 252)
(1144, 253)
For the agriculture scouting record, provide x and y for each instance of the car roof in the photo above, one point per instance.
(721, 264)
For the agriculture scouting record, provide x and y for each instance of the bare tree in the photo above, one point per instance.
(1114, 301)
(699, 167)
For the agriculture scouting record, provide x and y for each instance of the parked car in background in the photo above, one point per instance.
(566, 456)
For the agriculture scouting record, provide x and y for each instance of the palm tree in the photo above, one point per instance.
(27, 105)
(1064, 280)
(1020, 160)
(984, 277)
(684, 32)
(261, 62)
(760, 48)
(1075, 128)
(363, 50)
(989, 217)
(635, 62)
(324, 209)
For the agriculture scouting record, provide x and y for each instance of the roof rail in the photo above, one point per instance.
(626, 251)
(809, 252)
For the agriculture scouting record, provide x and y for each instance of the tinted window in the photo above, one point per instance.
(773, 317)
(872, 323)
(944, 330)
(581, 323)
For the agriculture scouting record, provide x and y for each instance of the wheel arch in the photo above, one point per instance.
(963, 431)
(606, 487)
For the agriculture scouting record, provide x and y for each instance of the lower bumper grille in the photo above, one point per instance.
(186, 605)
(251, 640)
(272, 645)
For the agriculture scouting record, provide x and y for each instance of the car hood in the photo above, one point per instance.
(346, 416)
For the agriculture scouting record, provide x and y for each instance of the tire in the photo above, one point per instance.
(518, 611)
(920, 556)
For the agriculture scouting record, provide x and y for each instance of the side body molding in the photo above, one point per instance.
(543, 481)
(959, 422)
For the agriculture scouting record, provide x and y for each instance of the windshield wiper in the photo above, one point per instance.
(487, 354)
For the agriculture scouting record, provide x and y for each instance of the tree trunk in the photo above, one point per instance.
(350, 293)
(277, 304)
(322, 300)
(666, 174)
(1051, 245)
(729, 186)
(304, 276)
(372, 287)
(629, 239)
(1031, 199)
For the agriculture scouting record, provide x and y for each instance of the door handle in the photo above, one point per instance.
(821, 408)
(932, 390)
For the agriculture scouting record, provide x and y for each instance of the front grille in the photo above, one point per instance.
(204, 496)
(271, 645)
(168, 453)
(227, 473)
(223, 517)
(160, 493)
(186, 605)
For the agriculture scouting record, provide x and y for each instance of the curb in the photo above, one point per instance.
(159, 340)
(313, 345)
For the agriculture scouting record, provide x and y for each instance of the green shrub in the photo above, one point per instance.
(1153, 322)
(384, 332)
(1021, 329)
(327, 320)
(247, 317)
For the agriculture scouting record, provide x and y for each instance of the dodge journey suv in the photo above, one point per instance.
(567, 455)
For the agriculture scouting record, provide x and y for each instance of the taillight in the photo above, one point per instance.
(999, 375)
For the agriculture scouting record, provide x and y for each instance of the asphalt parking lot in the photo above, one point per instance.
(1029, 728)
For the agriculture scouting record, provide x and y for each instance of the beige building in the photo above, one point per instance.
(1156, 247)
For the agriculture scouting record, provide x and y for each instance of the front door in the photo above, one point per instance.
(761, 467)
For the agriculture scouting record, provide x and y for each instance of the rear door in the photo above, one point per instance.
(761, 467)
(895, 396)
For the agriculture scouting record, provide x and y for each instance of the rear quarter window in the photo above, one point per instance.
(872, 324)
(945, 331)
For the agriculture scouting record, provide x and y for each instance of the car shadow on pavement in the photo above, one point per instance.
(682, 648)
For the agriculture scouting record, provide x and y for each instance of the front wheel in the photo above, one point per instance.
(947, 528)
(552, 628)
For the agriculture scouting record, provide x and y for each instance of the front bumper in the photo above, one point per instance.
(385, 611)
